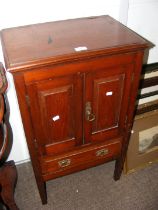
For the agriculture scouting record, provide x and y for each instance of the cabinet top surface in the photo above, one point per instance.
(64, 40)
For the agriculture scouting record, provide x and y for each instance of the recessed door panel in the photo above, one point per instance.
(57, 113)
(106, 102)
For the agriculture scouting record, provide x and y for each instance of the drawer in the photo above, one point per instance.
(81, 156)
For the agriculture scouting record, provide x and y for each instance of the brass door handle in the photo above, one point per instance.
(88, 112)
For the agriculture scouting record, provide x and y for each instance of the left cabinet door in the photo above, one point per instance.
(56, 110)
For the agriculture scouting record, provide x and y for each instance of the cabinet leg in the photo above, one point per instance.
(120, 161)
(118, 169)
(39, 180)
(42, 191)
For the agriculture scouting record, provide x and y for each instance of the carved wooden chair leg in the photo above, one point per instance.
(8, 178)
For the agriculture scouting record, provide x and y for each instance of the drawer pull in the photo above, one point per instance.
(102, 152)
(64, 163)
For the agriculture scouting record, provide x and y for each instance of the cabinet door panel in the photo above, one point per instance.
(108, 92)
(107, 101)
(57, 113)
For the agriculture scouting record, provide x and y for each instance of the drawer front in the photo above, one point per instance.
(82, 156)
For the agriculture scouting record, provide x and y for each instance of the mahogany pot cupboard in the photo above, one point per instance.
(76, 82)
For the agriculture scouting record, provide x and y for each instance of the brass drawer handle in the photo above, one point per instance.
(64, 163)
(102, 152)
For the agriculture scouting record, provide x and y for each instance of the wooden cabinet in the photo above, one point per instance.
(76, 82)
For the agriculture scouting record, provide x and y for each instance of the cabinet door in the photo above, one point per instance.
(106, 101)
(56, 112)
